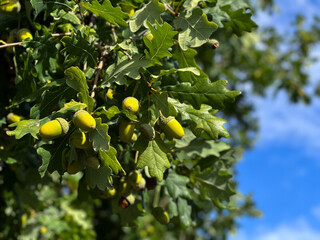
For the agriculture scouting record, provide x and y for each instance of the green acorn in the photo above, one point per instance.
(161, 215)
(93, 162)
(147, 131)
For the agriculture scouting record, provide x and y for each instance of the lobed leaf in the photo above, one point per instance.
(109, 158)
(113, 15)
(153, 154)
(99, 136)
(98, 177)
(149, 13)
(76, 79)
(117, 72)
(161, 42)
(195, 30)
(203, 92)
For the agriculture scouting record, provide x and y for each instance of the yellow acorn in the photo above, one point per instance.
(134, 178)
(128, 9)
(171, 127)
(74, 167)
(54, 129)
(110, 94)
(80, 140)
(131, 104)
(134, 137)
(108, 193)
(82, 119)
(161, 215)
(23, 34)
(149, 35)
(43, 230)
(10, 6)
(126, 130)
(13, 118)
(93, 162)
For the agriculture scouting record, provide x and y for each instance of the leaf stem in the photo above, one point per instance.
(156, 196)
(177, 8)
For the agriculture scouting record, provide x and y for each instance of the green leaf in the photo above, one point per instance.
(117, 72)
(204, 123)
(215, 185)
(98, 177)
(80, 50)
(240, 21)
(129, 216)
(51, 155)
(161, 42)
(153, 154)
(76, 79)
(186, 140)
(177, 185)
(24, 127)
(184, 210)
(99, 136)
(161, 102)
(186, 60)
(69, 16)
(112, 14)
(204, 148)
(109, 114)
(203, 92)
(50, 101)
(44, 54)
(72, 106)
(195, 30)
(193, 70)
(149, 13)
(48, 6)
(109, 158)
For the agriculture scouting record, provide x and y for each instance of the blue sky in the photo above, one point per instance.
(283, 169)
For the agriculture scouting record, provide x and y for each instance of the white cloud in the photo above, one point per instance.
(298, 230)
(316, 212)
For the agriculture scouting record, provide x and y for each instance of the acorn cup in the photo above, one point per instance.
(125, 202)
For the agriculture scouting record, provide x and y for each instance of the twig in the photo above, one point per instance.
(127, 54)
(99, 68)
(177, 8)
(114, 34)
(136, 158)
(170, 10)
(19, 43)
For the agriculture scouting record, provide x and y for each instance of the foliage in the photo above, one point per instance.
(80, 49)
